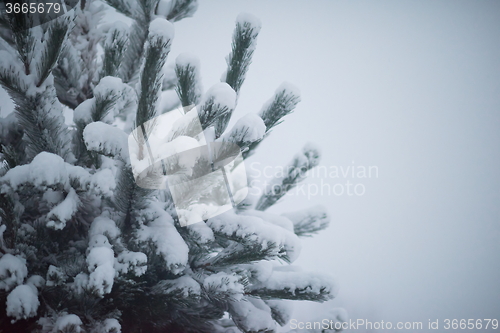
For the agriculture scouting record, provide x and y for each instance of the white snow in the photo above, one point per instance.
(283, 307)
(160, 28)
(161, 230)
(186, 284)
(255, 229)
(225, 283)
(83, 112)
(251, 318)
(103, 183)
(107, 139)
(222, 94)
(316, 216)
(169, 100)
(250, 19)
(120, 29)
(100, 262)
(36, 281)
(249, 128)
(64, 323)
(104, 226)
(281, 221)
(99, 241)
(289, 88)
(13, 271)
(298, 280)
(64, 211)
(108, 85)
(259, 271)
(135, 262)
(114, 86)
(201, 233)
(189, 125)
(55, 276)
(188, 59)
(112, 325)
(80, 283)
(22, 302)
(45, 170)
(312, 152)
(286, 88)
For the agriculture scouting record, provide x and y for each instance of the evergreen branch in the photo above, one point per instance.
(284, 101)
(295, 173)
(44, 129)
(147, 9)
(188, 82)
(209, 112)
(122, 7)
(243, 45)
(242, 253)
(151, 77)
(135, 50)
(51, 48)
(23, 38)
(180, 9)
(298, 294)
(309, 221)
(67, 75)
(114, 51)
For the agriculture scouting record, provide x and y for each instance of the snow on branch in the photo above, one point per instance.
(296, 285)
(50, 171)
(106, 140)
(114, 48)
(243, 45)
(247, 130)
(284, 101)
(252, 315)
(309, 221)
(158, 226)
(218, 101)
(251, 230)
(161, 33)
(187, 70)
(307, 159)
(175, 10)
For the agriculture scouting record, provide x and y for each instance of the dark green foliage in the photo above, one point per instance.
(181, 9)
(187, 87)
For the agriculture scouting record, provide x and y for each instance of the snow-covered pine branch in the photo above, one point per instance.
(187, 69)
(161, 33)
(82, 246)
(243, 45)
(114, 49)
(38, 111)
(284, 101)
(296, 171)
(309, 221)
(175, 10)
(218, 101)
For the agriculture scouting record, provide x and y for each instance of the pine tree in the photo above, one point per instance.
(83, 247)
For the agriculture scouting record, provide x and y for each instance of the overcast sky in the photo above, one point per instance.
(412, 87)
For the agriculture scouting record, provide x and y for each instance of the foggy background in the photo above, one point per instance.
(410, 87)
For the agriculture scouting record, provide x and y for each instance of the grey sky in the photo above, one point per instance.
(410, 87)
